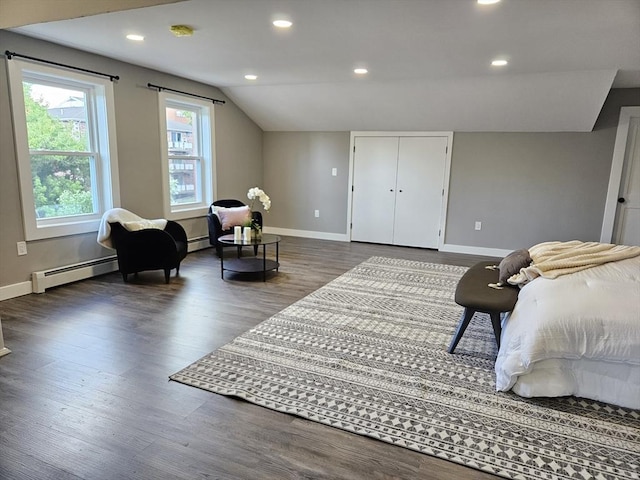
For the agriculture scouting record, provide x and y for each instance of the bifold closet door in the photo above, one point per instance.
(374, 184)
(420, 179)
(397, 190)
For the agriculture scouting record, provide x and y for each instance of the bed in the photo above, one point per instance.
(575, 334)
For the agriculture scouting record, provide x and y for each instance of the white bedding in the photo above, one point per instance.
(578, 334)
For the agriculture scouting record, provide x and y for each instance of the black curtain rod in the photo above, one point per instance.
(159, 88)
(10, 55)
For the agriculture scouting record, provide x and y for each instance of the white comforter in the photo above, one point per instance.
(578, 334)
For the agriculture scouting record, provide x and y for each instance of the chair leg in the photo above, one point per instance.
(497, 326)
(178, 270)
(462, 326)
(124, 277)
(167, 275)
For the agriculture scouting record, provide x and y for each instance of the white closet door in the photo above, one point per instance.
(374, 185)
(421, 168)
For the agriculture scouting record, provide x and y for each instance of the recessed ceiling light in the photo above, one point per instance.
(282, 23)
(251, 77)
(135, 38)
(487, 2)
(499, 63)
(360, 71)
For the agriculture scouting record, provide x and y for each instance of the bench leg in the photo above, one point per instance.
(497, 326)
(462, 326)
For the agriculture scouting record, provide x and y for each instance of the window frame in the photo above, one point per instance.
(206, 150)
(101, 123)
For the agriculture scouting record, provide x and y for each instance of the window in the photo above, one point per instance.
(188, 163)
(65, 142)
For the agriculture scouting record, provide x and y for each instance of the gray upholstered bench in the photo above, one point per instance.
(475, 295)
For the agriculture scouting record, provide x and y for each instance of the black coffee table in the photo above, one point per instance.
(252, 264)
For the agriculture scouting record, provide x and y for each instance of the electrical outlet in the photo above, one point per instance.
(316, 213)
(334, 172)
(478, 225)
(22, 248)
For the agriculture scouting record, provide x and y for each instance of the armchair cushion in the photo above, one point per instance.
(142, 224)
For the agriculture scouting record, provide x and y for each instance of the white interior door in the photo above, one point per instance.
(421, 169)
(375, 166)
(627, 222)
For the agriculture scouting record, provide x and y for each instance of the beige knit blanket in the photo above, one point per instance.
(552, 259)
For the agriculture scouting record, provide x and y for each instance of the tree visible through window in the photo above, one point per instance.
(62, 159)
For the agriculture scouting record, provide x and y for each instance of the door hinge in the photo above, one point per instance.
(443, 192)
(354, 149)
(352, 188)
(351, 226)
(439, 231)
(446, 149)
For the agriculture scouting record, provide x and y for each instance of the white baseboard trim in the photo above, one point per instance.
(339, 237)
(4, 351)
(471, 250)
(15, 290)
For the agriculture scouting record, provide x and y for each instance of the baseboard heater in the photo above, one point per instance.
(40, 281)
(198, 243)
(44, 279)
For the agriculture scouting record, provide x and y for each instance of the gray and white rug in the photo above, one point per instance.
(367, 353)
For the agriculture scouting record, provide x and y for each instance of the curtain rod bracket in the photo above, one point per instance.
(10, 55)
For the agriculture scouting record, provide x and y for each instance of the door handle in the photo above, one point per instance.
(622, 200)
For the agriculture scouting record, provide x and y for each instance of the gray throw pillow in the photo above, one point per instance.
(512, 263)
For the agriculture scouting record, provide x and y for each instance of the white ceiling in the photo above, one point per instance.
(429, 60)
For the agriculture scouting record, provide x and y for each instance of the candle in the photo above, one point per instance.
(247, 234)
(237, 233)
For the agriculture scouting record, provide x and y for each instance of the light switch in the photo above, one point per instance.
(334, 172)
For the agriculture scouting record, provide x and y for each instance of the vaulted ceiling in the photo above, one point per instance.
(429, 61)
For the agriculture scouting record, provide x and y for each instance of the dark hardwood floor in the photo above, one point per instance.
(85, 392)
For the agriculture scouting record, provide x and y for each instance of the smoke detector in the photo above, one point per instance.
(181, 30)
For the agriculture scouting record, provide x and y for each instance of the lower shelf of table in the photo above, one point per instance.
(250, 265)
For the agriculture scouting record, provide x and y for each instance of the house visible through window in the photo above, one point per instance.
(189, 165)
(66, 149)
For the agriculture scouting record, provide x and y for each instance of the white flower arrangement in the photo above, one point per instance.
(258, 193)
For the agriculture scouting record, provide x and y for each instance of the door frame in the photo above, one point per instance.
(615, 177)
(447, 173)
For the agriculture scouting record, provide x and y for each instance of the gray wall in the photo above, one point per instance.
(528, 188)
(238, 153)
(298, 179)
(525, 188)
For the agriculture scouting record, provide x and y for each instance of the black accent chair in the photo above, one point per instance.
(215, 227)
(149, 249)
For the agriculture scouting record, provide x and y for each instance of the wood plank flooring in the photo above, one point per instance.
(85, 392)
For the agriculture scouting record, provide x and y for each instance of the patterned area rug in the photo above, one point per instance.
(367, 353)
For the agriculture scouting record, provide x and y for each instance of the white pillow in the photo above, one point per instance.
(159, 224)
